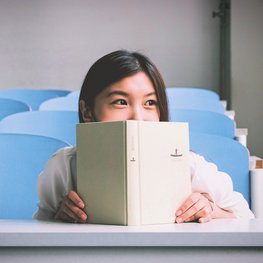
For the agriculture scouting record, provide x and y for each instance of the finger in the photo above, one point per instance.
(65, 217)
(73, 196)
(205, 212)
(77, 215)
(73, 211)
(205, 219)
(190, 219)
(190, 201)
(66, 214)
(192, 213)
(62, 215)
(69, 212)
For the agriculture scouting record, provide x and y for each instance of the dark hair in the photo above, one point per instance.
(115, 66)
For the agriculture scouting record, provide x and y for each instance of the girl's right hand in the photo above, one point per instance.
(71, 209)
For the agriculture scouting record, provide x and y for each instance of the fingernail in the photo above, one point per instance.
(81, 204)
(201, 220)
(179, 220)
(179, 212)
(83, 217)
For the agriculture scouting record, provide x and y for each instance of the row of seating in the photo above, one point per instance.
(211, 134)
(182, 98)
(32, 97)
(61, 124)
(24, 152)
(56, 124)
(199, 120)
(11, 106)
(178, 98)
(23, 157)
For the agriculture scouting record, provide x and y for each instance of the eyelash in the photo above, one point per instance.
(120, 102)
(153, 102)
(124, 102)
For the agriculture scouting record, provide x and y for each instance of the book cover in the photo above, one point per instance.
(133, 172)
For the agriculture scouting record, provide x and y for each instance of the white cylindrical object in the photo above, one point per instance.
(256, 179)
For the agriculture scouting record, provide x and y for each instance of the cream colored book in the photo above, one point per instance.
(133, 172)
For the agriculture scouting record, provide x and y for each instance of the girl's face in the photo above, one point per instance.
(132, 98)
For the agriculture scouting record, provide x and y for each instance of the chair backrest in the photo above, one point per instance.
(10, 106)
(205, 121)
(229, 155)
(29, 96)
(67, 103)
(22, 157)
(194, 98)
(192, 92)
(57, 124)
(200, 104)
(58, 92)
(74, 93)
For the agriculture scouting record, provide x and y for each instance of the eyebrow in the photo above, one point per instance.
(125, 94)
(117, 92)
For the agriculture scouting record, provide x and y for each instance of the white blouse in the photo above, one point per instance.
(59, 178)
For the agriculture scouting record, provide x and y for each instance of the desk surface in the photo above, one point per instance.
(217, 233)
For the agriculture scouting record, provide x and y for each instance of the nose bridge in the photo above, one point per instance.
(136, 112)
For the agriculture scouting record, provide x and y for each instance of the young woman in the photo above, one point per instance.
(127, 86)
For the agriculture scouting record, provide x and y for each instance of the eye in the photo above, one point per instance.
(120, 102)
(151, 103)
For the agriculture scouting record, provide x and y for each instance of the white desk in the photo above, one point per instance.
(218, 240)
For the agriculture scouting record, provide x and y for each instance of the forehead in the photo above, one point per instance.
(135, 83)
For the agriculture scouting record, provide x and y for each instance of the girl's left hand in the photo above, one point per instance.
(197, 207)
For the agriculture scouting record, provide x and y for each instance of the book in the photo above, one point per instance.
(133, 172)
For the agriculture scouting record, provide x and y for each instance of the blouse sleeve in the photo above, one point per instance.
(53, 184)
(207, 179)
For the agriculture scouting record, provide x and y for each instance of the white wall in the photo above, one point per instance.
(52, 43)
(247, 69)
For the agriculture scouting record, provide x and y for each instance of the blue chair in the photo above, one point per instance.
(195, 99)
(31, 97)
(192, 92)
(229, 155)
(205, 121)
(22, 157)
(58, 92)
(56, 124)
(10, 106)
(63, 103)
(74, 93)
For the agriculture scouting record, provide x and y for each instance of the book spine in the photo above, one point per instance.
(133, 174)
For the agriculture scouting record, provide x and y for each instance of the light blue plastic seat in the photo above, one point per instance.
(74, 93)
(195, 99)
(31, 97)
(192, 92)
(205, 121)
(58, 92)
(67, 103)
(22, 157)
(200, 104)
(56, 124)
(229, 155)
(10, 106)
